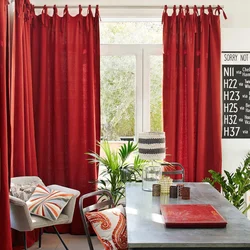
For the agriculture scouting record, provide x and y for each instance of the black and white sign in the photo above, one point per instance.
(236, 94)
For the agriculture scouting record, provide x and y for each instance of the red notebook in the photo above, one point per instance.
(192, 215)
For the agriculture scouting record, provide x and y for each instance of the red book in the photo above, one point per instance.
(192, 215)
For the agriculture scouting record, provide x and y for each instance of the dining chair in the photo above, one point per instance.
(173, 168)
(105, 201)
(21, 218)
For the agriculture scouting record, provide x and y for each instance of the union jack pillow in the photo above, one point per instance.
(47, 203)
(110, 227)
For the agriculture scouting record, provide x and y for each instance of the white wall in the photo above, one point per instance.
(235, 37)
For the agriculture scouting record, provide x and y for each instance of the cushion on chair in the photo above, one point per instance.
(47, 203)
(110, 227)
(22, 191)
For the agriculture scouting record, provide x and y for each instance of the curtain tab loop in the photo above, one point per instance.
(173, 15)
(63, 21)
(55, 10)
(210, 14)
(88, 16)
(195, 10)
(97, 10)
(44, 14)
(80, 17)
(97, 13)
(54, 16)
(89, 9)
(28, 12)
(210, 10)
(80, 9)
(202, 12)
(218, 9)
(174, 10)
(202, 9)
(164, 13)
(45, 9)
(181, 14)
(196, 13)
(66, 10)
(32, 13)
(187, 10)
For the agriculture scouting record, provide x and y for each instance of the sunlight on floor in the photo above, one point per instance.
(73, 242)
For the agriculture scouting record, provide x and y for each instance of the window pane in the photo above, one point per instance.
(131, 32)
(117, 97)
(156, 69)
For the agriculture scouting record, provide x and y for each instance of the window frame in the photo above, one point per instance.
(142, 53)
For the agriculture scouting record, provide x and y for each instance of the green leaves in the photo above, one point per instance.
(117, 168)
(126, 149)
(234, 185)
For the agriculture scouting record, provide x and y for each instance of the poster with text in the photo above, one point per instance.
(235, 94)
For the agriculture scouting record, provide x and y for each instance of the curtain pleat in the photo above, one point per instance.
(22, 114)
(23, 146)
(5, 232)
(191, 90)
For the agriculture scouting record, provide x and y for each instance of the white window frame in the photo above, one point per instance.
(142, 53)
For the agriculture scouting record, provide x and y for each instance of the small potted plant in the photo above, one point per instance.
(117, 168)
(234, 185)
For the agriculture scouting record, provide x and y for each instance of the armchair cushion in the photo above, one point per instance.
(22, 191)
(110, 227)
(48, 203)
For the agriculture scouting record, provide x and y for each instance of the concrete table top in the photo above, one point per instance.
(146, 228)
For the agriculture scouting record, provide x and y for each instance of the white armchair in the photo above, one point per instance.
(23, 221)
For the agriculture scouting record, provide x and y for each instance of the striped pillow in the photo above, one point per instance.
(47, 203)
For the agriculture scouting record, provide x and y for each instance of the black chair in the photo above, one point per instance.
(105, 201)
(174, 168)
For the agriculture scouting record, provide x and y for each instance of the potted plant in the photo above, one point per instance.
(234, 185)
(117, 168)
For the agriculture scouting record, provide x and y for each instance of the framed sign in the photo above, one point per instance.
(236, 94)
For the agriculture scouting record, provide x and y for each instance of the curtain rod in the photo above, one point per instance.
(131, 6)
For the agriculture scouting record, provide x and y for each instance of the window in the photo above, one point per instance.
(118, 73)
(131, 79)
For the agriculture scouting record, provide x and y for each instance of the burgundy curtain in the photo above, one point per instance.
(5, 232)
(66, 93)
(191, 89)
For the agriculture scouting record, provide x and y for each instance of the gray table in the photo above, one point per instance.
(146, 229)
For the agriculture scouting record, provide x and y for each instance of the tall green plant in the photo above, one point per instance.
(117, 169)
(234, 185)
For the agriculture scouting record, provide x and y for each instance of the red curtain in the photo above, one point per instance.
(23, 148)
(66, 91)
(22, 114)
(5, 232)
(55, 99)
(191, 89)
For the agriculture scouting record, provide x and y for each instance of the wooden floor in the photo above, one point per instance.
(73, 242)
